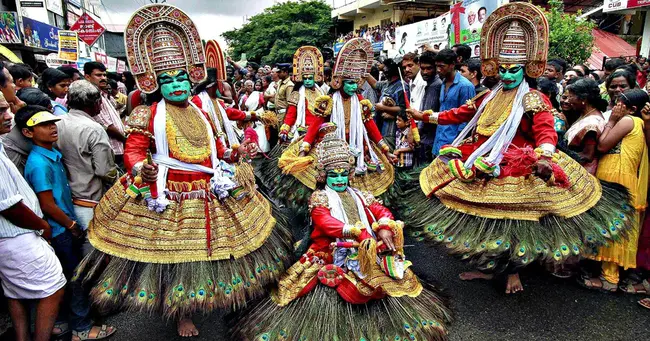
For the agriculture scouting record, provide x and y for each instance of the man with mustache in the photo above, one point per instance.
(95, 72)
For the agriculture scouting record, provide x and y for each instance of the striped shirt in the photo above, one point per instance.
(14, 189)
(108, 116)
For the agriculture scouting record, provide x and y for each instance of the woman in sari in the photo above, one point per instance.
(253, 100)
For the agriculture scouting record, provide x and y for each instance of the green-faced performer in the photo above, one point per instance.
(501, 196)
(184, 231)
(354, 281)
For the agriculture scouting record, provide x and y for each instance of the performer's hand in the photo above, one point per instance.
(302, 153)
(415, 114)
(393, 158)
(284, 136)
(386, 236)
(248, 148)
(543, 169)
(149, 173)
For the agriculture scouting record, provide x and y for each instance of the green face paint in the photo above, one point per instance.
(308, 81)
(350, 87)
(338, 180)
(175, 86)
(511, 77)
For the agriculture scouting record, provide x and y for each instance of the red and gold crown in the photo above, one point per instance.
(159, 38)
(515, 33)
(215, 59)
(308, 61)
(353, 62)
(332, 153)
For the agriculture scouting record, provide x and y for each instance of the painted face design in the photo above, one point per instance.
(175, 85)
(511, 75)
(337, 179)
(308, 81)
(350, 87)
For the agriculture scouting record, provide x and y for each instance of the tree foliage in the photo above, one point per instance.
(275, 34)
(571, 38)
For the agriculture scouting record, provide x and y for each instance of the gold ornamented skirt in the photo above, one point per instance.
(404, 309)
(504, 223)
(198, 255)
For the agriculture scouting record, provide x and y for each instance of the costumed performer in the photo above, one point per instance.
(354, 282)
(302, 111)
(501, 196)
(185, 231)
(353, 117)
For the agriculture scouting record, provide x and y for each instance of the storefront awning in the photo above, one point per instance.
(608, 45)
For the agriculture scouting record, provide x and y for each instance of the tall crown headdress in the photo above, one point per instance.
(159, 38)
(332, 153)
(353, 62)
(515, 33)
(308, 60)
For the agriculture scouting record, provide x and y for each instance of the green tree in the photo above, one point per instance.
(275, 34)
(571, 38)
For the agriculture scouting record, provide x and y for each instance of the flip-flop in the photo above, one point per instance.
(104, 332)
(630, 289)
(645, 303)
(63, 327)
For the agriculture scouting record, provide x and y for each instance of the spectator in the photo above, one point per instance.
(463, 53)
(617, 83)
(472, 71)
(119, 97)
(34, 96)
(44, 171)
(95, 73)
(417, 85)
(269, 94)
(72, 73)
(582, 68)
(55, 83)
(121, 88)
(29, 269)
(23, 77)
(16, 146)
(403, 154)
(571, 74)
(430, 101)
(129, 81)
(554, 72)
(86, 150)
(563, 65)
(327, 78)
(391, 99)
(8, 89)
(610, 66)
(456, 90)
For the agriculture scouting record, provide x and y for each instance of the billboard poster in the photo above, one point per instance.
(9, 31)
(101, 57)
(467, 18)
(68, 45)
(434, 32)
(111, 66)
(39, 35)
(121, 66)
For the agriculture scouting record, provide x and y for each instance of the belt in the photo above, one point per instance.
(85, 203)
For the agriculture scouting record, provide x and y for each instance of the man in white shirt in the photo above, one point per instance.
(29, 269)
(416, 83)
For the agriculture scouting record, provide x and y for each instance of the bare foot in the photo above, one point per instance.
(472, 275)
(186, 328)
(514, 284)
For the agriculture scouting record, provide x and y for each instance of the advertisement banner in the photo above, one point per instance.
(100, 57)
(53, 60)
(434, 32)
(619, 5)
(111, 66)
(121, 66)
(88, 28)
(54, 6)
(9, 31)
(68, 45)
(39, 35)
(467, 19)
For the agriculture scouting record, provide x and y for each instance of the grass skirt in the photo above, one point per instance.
(494, 245)
(322, 315)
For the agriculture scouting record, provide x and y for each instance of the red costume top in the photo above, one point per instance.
(292, 115)
(233, 114)
(368, 122)
(140, 140)
(537, 126)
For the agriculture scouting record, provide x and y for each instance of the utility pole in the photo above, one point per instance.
(158, 1)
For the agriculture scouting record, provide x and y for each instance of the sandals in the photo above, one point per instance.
(93, 333)
(598, 284)
(645, 303)
(631, 289)
(63, 328)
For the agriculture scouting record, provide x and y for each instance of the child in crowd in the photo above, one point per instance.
(44, 171)
(403, 154)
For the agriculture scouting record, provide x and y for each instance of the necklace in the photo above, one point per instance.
(496, 112)
(350, 207)
(191, 126)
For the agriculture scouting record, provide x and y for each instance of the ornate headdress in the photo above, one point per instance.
(159, 38)
(307, 60)
(214, 59)
(332, 152)
(353, 62)
(515, 33)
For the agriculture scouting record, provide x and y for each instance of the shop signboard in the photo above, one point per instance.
(111, 66)
(39, 35)
(53, 60)
(9, 31)
(121, 66)
(68, 45)
(88, 28)
(619, 5)
(101, 57)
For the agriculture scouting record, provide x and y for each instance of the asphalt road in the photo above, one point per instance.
(548, 309)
